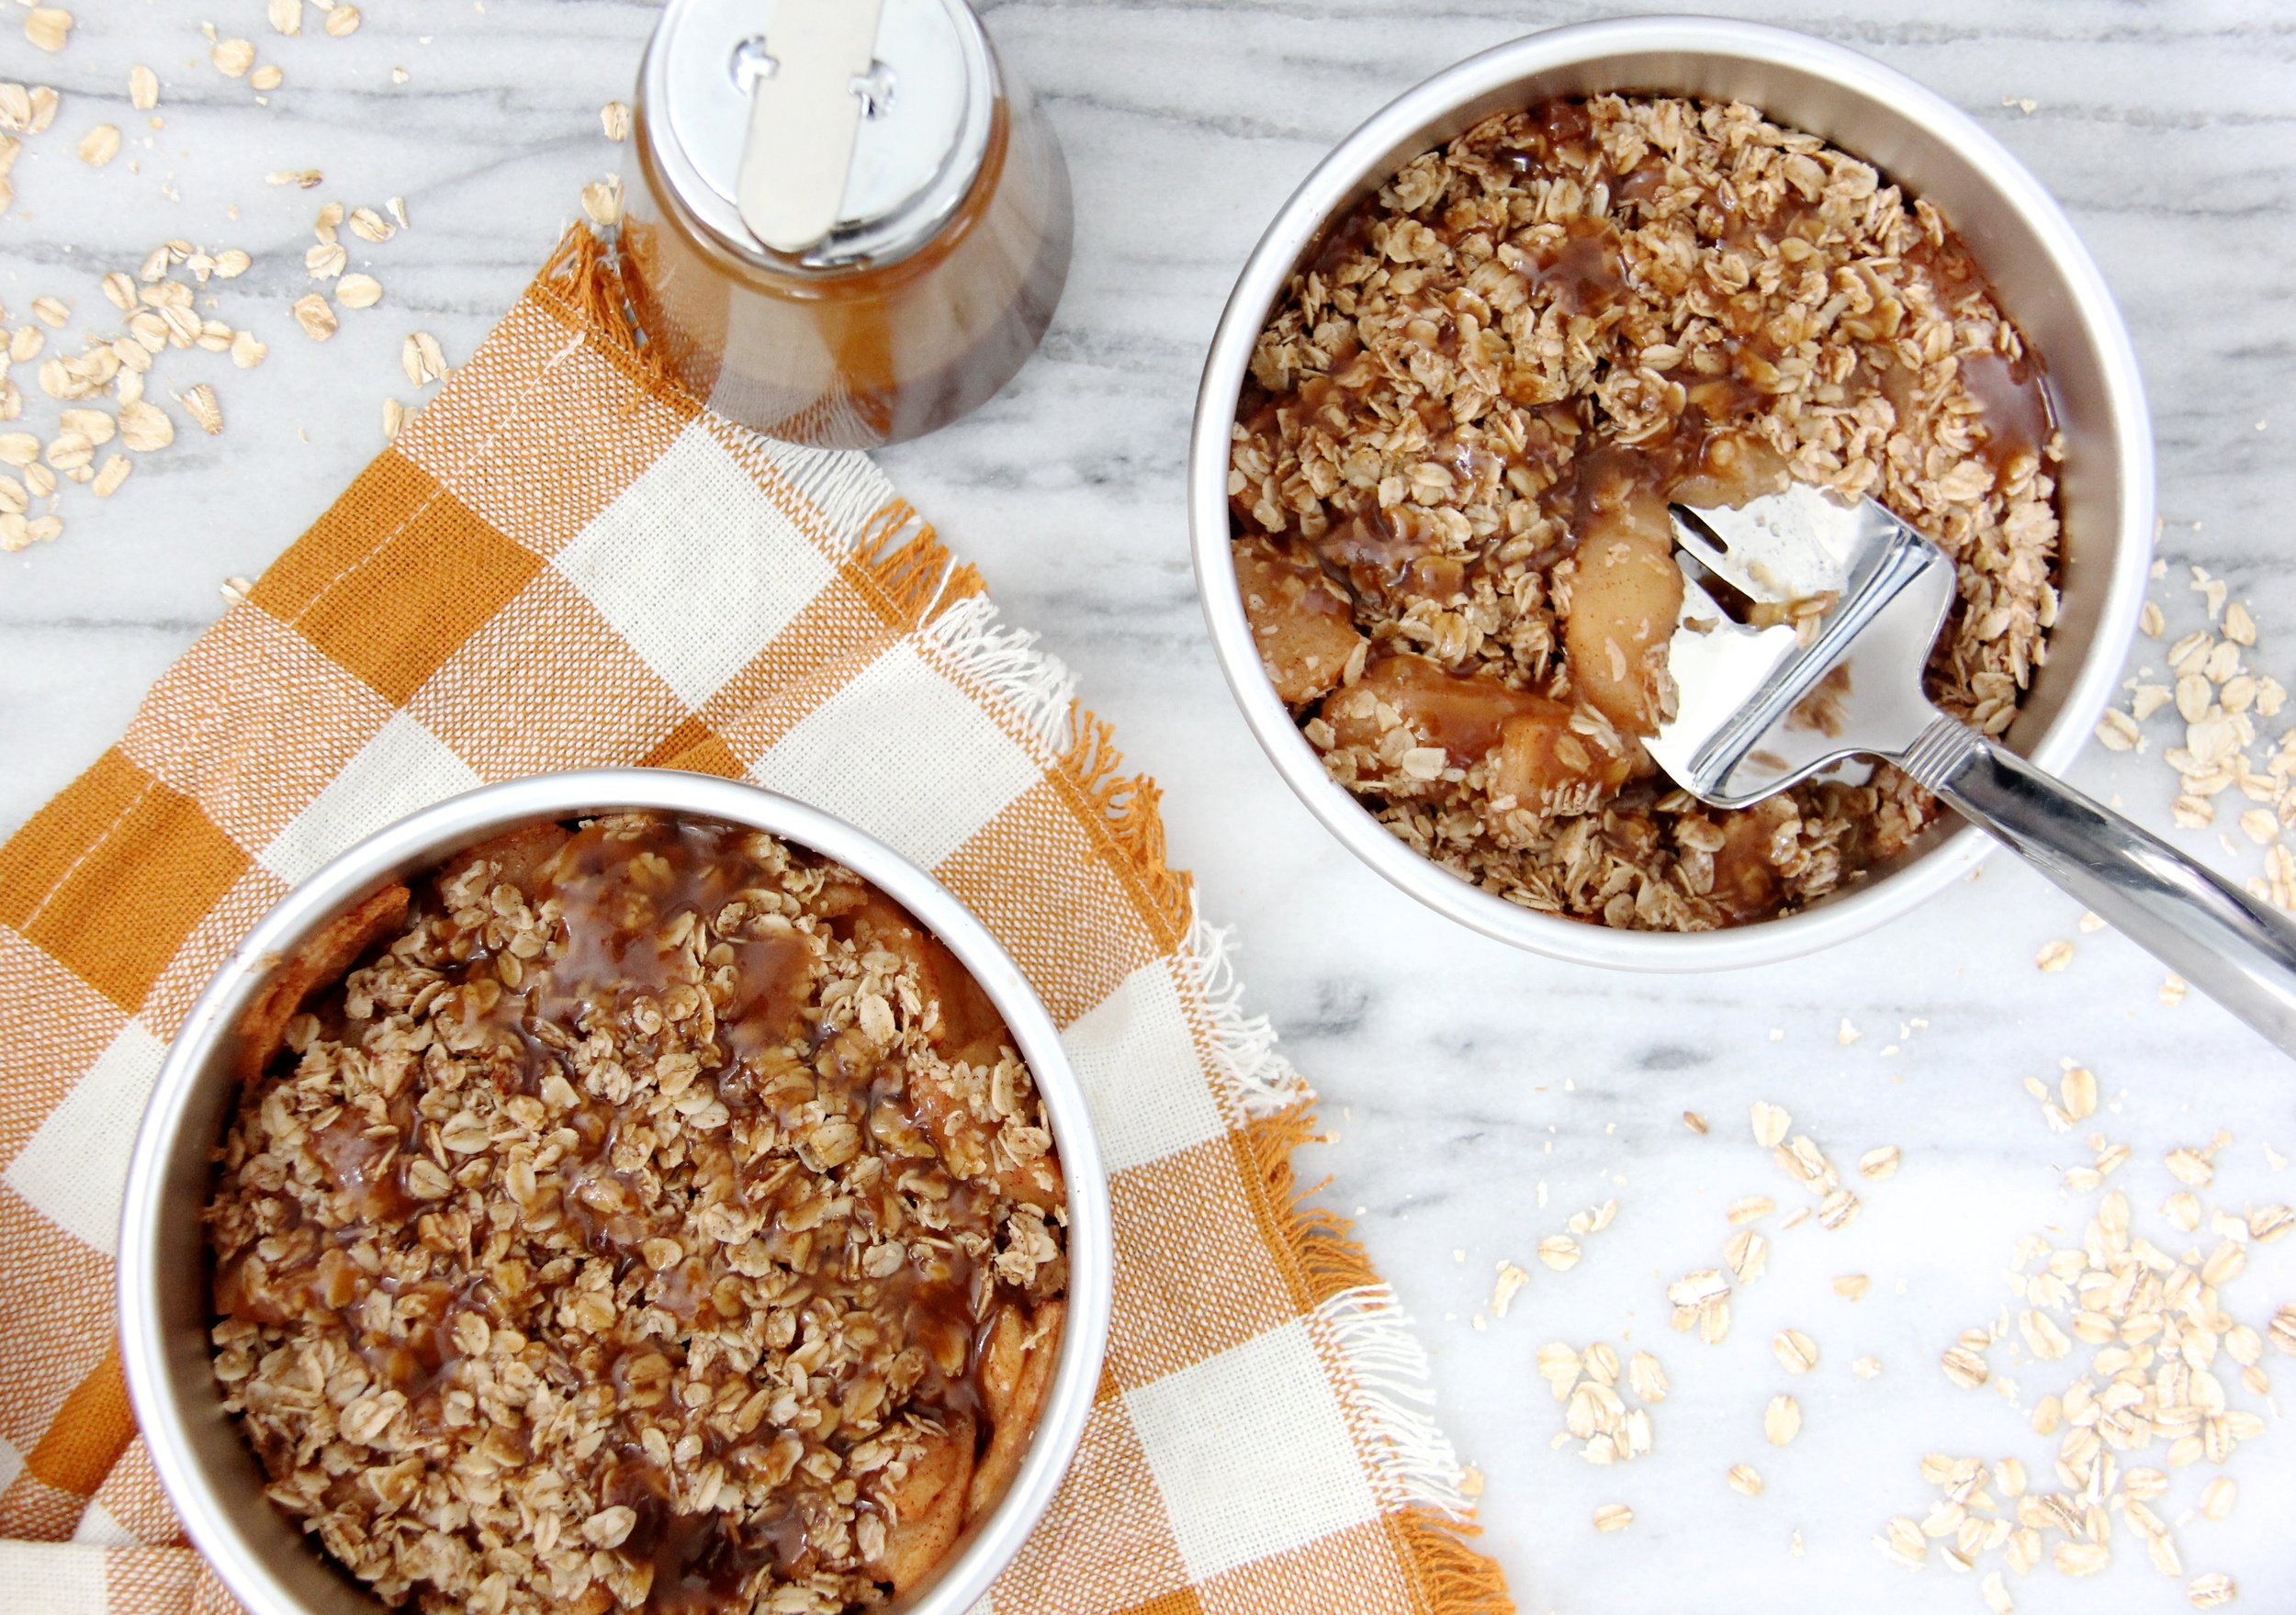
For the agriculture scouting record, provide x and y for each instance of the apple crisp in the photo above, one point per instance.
(1465, 420)
(639, 1215)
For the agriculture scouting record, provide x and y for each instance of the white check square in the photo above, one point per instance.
(695, 565)
(74, 1168)
(405, 767)
(904, 753)
(1141, 1073)
(1249, 1453)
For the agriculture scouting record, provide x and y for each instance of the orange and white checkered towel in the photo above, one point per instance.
(566, 561)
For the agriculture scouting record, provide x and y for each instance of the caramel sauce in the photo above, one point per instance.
(701, 1561)
(874, 353)
(1584, 273)
(2018, 416)
(365, 1167)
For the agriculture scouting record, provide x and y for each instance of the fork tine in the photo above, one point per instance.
(1699, 606)
(1691, 535)
(1786, 545)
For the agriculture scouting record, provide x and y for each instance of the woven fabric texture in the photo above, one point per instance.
(565, 561)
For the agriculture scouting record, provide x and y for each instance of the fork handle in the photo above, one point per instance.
(2215, 936)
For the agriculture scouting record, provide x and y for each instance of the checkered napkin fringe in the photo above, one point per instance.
(566, 561)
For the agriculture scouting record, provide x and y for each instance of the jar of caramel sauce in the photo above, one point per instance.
(853, 227)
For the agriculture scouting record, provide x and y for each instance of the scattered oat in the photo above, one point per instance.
(1771, 1122)
(100, 145)
(1559, 1365)
(343, 20)
(1782, 1421)
(1750, 1208)
(286, 16)
(2172, 990)
(48, 27)
(398, 206)
(2211, 1591)
(1847, 1034)
(1795, 1351)
(201, 403)
(266, 78)
(305, 178)
(1965, 1368)
(91, 424)
(247, 351)
(2079, 1559)
(1853, 1286)
(1702, 1301)
(1879, 1164)
(2117, 731)
(616, 116)
(314, 316)
(2190, 1166)
(232, 58)
(2077, 1092)
(1867, 1368)
(1613, 1517)
(358, 291)
(421, 358)
(370, 226)
(1902, 1539)
(1996, 1594)
(1695, 1122)
(1746, 1253)
(51, 311)
(144, 426)
(394, 417)
(108, 480)
(1471, 1482)
(2218, 1496)
(1646, 1378)
(1511, 1277)
(2054, 956)
(1745, 1480)
(236, 589)
(1559, 1252)
(69, 450)
(602, 199)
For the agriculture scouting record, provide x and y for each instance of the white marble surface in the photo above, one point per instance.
(1461, 1079)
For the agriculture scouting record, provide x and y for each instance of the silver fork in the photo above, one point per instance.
(1742, 731)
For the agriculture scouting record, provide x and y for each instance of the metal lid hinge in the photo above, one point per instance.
(810, 81)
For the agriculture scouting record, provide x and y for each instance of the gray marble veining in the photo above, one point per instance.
(1475, 1098)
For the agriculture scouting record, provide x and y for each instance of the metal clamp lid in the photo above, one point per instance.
(813, 135)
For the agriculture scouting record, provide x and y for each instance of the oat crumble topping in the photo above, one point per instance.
(1464, 421)
(649, 1215)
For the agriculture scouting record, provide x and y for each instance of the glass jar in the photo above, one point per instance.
(851, 225)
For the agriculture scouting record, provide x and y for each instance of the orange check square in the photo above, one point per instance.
(111, 876)
(392, 608)
(1194, 1274)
